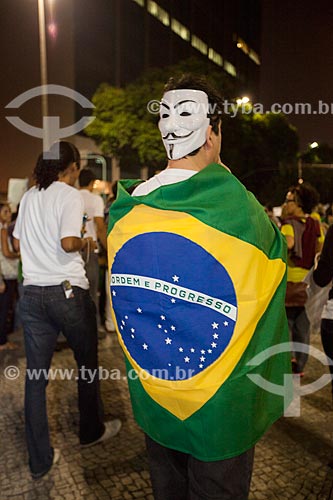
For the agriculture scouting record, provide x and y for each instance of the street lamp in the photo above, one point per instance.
(243, 100)
(43, 68)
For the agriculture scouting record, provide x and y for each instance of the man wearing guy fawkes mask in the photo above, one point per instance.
(191, 132)
(197, 289)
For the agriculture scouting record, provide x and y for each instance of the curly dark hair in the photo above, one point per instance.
(47, 170)
(306, 196)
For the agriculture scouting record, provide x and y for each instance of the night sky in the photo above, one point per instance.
(297, 66)
(297, 62)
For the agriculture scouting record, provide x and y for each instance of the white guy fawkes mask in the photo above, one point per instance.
(183, 121)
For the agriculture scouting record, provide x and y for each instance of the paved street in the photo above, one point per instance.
(291, 460)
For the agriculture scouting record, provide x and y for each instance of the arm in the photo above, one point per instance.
(324, 272)
(101, 230)
(71, 224)
(73, 244)
(16, 245)
(5, 247)
(288, 232)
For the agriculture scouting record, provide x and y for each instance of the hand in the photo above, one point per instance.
(316, 260)
(89, 244)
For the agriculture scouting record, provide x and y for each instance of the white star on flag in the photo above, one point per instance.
(145, 346)
(165, 331)
(187, 359)
(132, 330)
(203, 351)
(226, 323)
(200, 366)
(180, 349)
(215, 336)
(213, 344)
(175, 278)
(168, 341)
(126, 317)
(215, 325)
(162, 317)
(139, 310)
(173, 301)
(123, 322)
(192, 349)
(209, 351)
(173, 328)
(159, 326)
(121, 327)
(114, 293)
(132, 336)
(202, 358)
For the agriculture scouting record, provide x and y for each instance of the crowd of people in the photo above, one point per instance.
(180, 295)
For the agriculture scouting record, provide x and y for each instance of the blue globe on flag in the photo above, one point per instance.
(174, 303)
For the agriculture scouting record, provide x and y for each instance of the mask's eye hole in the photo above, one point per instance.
(165, 115)
(185, 113)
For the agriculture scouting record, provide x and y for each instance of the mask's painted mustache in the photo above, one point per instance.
(171, 135)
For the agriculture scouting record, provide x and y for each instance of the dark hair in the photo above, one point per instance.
(3, 203)
(193, 82)
(47, 170)
(86, 176)
(306, 196)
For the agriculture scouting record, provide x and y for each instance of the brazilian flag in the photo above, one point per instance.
(197, 280)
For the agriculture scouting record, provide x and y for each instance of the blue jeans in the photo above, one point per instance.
(45, 312)
(177, 475)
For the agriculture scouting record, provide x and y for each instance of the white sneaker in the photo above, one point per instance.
(111, 429)
(56, 456)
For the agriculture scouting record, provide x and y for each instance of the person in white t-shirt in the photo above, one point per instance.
(56, 299)
(94, 227)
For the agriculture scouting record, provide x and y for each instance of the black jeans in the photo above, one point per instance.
(326, 331)
(45, 312)
(179, 476)
(6, 302)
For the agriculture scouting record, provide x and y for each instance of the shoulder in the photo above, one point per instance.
(287, 229)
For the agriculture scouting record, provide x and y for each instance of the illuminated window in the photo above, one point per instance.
(140, 2)
(157, 11)
(180, 30)
(215, 57)
(254, 56)
(198, 44)
(230, 68)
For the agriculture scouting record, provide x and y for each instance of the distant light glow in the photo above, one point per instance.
(52, 30)
(314, 145)
(242, 100)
